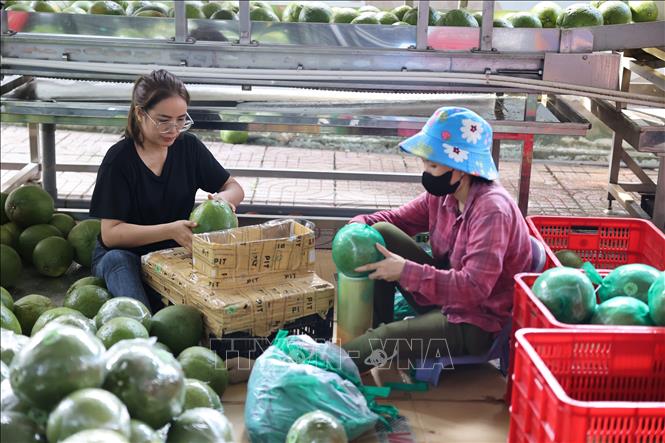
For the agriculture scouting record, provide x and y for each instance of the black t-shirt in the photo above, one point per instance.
(128, 190)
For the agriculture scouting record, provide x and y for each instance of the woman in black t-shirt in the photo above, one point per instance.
(147, 182)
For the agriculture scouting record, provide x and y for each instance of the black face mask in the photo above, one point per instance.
(440, 185)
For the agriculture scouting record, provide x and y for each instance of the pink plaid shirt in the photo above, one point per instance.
(486, 245)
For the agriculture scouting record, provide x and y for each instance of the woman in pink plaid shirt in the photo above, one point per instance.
(463, 293)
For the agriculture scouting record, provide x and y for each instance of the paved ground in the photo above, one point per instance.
(556, 188)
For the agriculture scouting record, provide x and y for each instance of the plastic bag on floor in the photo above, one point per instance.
(401, 308)
(296, 375)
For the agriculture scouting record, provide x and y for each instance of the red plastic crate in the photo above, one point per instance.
(574, 385)
(605, 242)
(529, 312)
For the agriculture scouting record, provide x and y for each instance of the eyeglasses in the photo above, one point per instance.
(180, 125)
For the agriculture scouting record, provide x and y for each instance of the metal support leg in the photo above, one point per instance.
(422, 25)
(33, 136)
(48, 159)
(615, 165)
(496, 152)
(525, 175)
(530, 109)
(658, 218)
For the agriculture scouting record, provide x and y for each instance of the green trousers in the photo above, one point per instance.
(427, 335)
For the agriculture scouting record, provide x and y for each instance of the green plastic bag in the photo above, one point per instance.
(297, 375)
(631, 280)
(402, 308)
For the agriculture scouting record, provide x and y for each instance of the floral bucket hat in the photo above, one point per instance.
(457, 138)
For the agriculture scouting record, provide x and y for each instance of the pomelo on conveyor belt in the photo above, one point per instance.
(656, 298)
(622, 311)
(224, 14)
(615, 13)
(632, 280)
(569, 258)
(135, 5)
(478, 15)
(57, 361)
(52, 256)
(258, 14)
(33, 235)
(502, 23)
(87, 409)
(355, 245)
(204, 364)
(29, 205)
(411, 17)
(6, 298)
(23, 7)
(140, 432)
(178, 327)
(73, 10)
(28, 309)
(17, 427)
(63, 222)
(123, 307)
(120, 328)
(567, 293)
(8, 320)
(10, 266)
(96, 436)
(213, 215)
(89, 280)
(366, 18)
(292, 12)
(83, 4)
(43, 6)
(547, 13)
(87, 299)
(643, 11)
(368, 8)
(460, 17)
(149, 381)
(199, 395)
(315, 12)
(579, 15)
(344, 15)
(597, 3)
(48, 316)
(234, 137)
(201, 425)
(399, 11)
(83, 238)
(210, 8)
(316, 426)
(524, 20)
(386, 18)
(106, 7)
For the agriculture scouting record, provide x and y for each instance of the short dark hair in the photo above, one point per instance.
(149, 90)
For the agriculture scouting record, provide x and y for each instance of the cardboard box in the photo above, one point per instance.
(274, 251)
(256, 309)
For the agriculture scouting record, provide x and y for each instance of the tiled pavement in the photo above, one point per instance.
(556, 188)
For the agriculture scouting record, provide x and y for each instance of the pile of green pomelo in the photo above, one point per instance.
(629, 295)
(544, 15)
(102, 368)
(33, 234)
